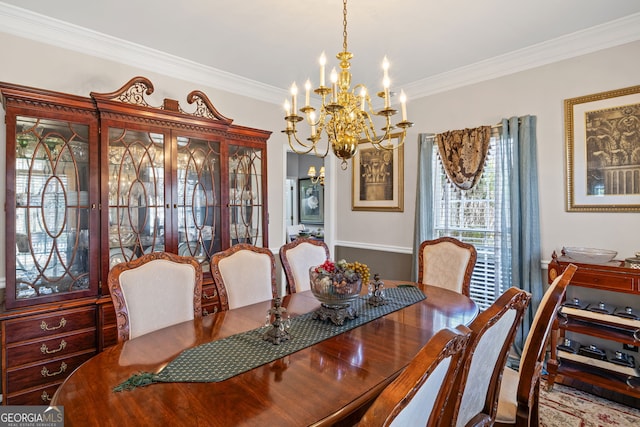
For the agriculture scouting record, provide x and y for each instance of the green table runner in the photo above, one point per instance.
(222, 359)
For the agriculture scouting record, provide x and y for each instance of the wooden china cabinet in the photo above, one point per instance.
(95, 181)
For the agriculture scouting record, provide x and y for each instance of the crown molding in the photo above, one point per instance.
(30, 25)
(607, 35)
(41, 28)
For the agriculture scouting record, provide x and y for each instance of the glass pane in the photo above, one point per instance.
(136, 194)
(198, 198)
(245, 195)
(52, 207)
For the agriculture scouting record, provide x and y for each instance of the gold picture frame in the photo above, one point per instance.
(602, 133)
(378, 178)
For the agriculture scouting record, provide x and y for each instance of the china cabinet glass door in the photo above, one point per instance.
(52, 209)
(198, 198)
(137, 223)
(246, 203)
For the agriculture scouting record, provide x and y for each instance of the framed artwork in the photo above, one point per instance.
(310, 202)
(378, 178)
(603, 151)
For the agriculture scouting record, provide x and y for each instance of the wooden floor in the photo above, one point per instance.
(600, 392)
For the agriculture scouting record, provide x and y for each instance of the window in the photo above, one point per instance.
(474, 216)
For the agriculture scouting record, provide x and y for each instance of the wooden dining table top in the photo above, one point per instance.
(319, 385)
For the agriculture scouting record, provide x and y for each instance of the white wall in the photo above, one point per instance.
(538, 92)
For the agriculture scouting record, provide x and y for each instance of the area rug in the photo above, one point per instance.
(567, 407)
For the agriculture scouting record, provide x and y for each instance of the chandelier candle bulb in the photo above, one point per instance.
(385, 67)
(387, 98)
(363, 96)
(294, 96)
(312, 118)
(334, 85)
(403, 105)
(323, 62)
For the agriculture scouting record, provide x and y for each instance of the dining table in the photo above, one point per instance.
(331, 382)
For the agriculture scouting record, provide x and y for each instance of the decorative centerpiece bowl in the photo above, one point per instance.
(336, 286)
(590, 255)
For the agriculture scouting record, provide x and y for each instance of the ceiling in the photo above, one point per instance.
(278, 41)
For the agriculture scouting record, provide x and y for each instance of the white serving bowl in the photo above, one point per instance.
(590, 255)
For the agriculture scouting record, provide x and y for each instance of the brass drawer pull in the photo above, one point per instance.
(45, 372)
(213, 295)
(205, 312)
(45, 397)
(45, 350)
(636, 335)
(46, 327)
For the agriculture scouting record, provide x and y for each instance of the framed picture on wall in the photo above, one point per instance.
(310, 202)
(378, 178)
(603, 151)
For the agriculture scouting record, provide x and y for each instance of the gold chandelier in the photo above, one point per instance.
(346, 115)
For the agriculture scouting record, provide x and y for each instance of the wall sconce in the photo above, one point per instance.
(312, 174)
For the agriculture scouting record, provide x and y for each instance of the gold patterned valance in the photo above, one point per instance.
(463, 153)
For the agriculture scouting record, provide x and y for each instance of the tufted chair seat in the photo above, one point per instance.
(417, 396)
(154, 291)
(519, 391)
(478, 383)
(448, 263)
(297, 257)
(245, 274)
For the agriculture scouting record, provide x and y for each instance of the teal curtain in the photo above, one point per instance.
(517, 182)
(423, 228)
(520, 174)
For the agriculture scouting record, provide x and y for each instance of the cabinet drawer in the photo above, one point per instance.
(44, 373)
(38, 396)
(45, 349)
(609, 281)
(108, 314)
(210, 308)
(49, 324)
(209, 294)
(109, 336)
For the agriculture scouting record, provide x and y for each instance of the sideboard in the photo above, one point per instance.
(611, 363)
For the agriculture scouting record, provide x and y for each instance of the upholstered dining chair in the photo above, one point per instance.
(154, 291)
(245, 274)
(418, 395)
(448, 263)
(475, 397)
(297, 257)
(520, 390)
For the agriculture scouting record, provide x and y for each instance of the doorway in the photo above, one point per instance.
(297, 179)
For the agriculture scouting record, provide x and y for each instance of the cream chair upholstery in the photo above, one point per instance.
(154, 291)
(245, 274)
(297, 257)
(418, 395)
(477, 385)
(519, 391)
(448, 263)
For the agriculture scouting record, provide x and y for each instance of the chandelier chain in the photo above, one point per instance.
(344, 25)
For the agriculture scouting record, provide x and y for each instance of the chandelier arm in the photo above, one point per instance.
(303, 144)
(298, 151)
